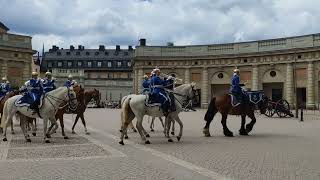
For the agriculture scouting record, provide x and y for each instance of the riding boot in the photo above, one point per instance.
(173, 104)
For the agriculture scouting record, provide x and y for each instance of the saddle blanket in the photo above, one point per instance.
(26, 101)
(234, 100)
(149, 103)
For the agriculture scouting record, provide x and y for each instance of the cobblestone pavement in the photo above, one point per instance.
(276, 149)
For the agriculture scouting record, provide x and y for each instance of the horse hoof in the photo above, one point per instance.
(34, 134)
(178, 137)
(73, 132)
(87, 133)
(243, 133)
(229, 134)
(126, 137)
(172, 133)
(120, 130)
(152, 130)
(170, 140)
(4, 139)
(147, 142)
(13, 132)
(207, 135)
(48, 135)
(47, 141)
(147, 135)
(248, 128)
(121, 142)
(28, 140)
(65, 137)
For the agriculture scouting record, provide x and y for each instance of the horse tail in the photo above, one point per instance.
(126, 110)
(4, 120)
(212, 110)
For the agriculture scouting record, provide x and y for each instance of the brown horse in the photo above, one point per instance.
(2, 101)
(83, 97)
(223, 105)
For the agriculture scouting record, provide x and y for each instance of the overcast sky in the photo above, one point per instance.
(184, 22)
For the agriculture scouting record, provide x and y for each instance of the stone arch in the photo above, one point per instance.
(267, 78)
(215, 79)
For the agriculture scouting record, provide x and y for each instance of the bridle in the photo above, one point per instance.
(187, 99)
(68, 102)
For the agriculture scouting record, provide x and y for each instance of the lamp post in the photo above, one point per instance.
(295, 84)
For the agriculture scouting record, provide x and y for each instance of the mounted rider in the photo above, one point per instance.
(48, 83)
(4, 87)
(146, 84)
(170, 82)
(33, 89)
(236, 88)
(157, 91)
(70, 82)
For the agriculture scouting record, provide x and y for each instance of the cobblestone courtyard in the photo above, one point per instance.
(276, 149)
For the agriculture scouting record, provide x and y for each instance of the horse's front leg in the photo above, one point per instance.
(12, 131)
(167, 122)
(45, 127)
(54, 124)
(226, 130)
(180, 124)
(140, 130)
(23, 122)
(152, 124)
(173, 128)
(62, 128)
(242, 130)
(33, 127)
(84, 124)
(249, 126)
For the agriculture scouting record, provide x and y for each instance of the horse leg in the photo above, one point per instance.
(48, 134)
(33, 127)
(139, 127)
(242, 130)
(35, 124)
(249, 126)
(62, 129)
(173, 128)
(226, 130)
(176, 117)
(23, 122)
(12, 131)
(74, 124)
(145, 132)
(152, 124)
(45, 126)
(84, 124)
(54, 124)
(132, 127)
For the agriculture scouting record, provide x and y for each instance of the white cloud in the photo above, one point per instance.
(109, 22)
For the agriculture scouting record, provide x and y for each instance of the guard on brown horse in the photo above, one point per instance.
(245, 106)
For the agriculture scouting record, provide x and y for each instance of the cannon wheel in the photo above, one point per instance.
(282, 108)
(270, 111)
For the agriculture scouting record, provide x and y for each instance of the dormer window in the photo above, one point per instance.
(68, 53)
(106, 53)
(116, 53)
(126, 53)
(96, 53)
(78, 53)
(87, 53)
(59, 53)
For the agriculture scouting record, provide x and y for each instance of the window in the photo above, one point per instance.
(273, 73)
(16, 54)
(60, 64)
(116, 53)
(68, 53)
(99, 64)
(59, 53)
(196, 63)
(245, 60)
(69, 64)
(149, 63)
(79, 63)
(196, 77)
(50, 64)
(96, 53)
(106, 53)
(89, 64)
(129, 64)
(126, 53)
(78, 53)
(109, 64)
(119, 63)
(299, 56)
(109, 75)
(87, 53)
(220, 75)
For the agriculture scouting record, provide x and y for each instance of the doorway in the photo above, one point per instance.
(302, 97)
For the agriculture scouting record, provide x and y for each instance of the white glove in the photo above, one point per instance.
(170, 77)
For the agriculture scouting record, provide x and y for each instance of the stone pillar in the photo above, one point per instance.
(204, 88)
(187, 76)
(26, 74)
(255, 78)
(310, 86)
(289, 85)
(134, 76)
(139, 80)
(4, 68)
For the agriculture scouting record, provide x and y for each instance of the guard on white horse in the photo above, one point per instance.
(4, 87)
(135, 106)
(50, 105)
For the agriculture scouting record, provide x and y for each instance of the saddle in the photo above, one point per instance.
(149, 101)
(234, 100)
(26, 101)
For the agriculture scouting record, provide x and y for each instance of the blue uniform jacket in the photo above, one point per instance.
(69, 83)
(157, 85)
(35, 89)
(48, 85)
(4, 89)
(146, 85)
(235, 88)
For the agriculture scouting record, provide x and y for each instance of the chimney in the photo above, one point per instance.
(79, 47)
(142, 42)
(101, 48)
(71, 47)
(117, 47)
(170, 44)
(130, 48)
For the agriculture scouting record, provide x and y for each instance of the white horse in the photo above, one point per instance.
(50, 105)
(134, 106)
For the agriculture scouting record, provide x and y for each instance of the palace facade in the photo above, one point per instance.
(108, 70)
(287, 68)
(15, 56)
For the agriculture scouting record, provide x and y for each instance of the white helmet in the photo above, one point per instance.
(48, 73)
(34, 73)
(70, 76)
(4, 79)
(145, 76)
(236, 70)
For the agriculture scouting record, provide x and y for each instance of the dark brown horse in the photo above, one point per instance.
(223, 105)
(83, 97)
(2, 101)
